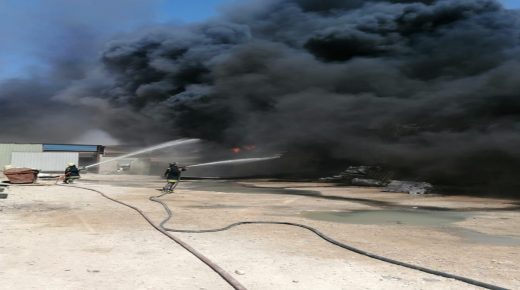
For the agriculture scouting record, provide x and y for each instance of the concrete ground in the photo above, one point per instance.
(55, 237)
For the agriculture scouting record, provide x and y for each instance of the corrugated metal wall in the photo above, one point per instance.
(44, 161)
(7, 149)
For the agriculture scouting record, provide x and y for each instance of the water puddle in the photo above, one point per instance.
(216, 206)
(127, 183)
(386, 217)
(481, 238)
(234, 187)
(440, 220)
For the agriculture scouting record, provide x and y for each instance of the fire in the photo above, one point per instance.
(237, 150)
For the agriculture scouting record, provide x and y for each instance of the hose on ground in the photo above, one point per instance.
(221, 272)
(326, 238)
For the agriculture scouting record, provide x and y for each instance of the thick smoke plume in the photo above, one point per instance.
(429, 88)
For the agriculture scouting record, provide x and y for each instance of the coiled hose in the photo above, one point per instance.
(326, 238)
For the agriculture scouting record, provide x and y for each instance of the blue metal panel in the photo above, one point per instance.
(70, 148)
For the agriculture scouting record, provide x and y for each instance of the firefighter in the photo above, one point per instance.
(71, 173)
(173, 176)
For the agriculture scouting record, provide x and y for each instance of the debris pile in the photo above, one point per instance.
(362, 175)
(367, 182)
(376, 176)
(412, 187)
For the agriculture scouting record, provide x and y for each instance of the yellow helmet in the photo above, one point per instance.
(71, 164)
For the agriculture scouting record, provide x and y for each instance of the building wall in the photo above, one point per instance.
(6, 151)
(44, 161)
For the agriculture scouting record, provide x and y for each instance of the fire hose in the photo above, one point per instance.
(221, 272)
(234, 283)
(326, 238)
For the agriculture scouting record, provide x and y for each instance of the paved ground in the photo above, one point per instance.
(66, 238)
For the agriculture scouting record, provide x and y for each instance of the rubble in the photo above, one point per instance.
(365, 175)
(411, 187)
(376, 176)
(367, 182)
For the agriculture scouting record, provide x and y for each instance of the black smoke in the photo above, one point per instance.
(428, 88)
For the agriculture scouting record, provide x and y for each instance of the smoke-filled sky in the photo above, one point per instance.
(428, 86)
(25, 42)
(29, 29)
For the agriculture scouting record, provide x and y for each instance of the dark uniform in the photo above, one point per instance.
(173, 175)
(71, 173)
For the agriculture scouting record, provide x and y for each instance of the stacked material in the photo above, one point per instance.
(21, 175)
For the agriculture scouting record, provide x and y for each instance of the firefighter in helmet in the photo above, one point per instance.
(173, 176)
(71, 173)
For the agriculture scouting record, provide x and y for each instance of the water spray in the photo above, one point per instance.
(149, 149)
(235, 161)
(184, 142)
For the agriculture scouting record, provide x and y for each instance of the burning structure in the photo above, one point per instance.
(426, 87)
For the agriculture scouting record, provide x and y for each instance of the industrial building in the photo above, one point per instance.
(48, 157)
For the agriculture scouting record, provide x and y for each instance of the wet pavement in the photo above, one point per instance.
(439, 220)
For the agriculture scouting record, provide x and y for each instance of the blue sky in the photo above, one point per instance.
(511, 3)
(33, 31)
